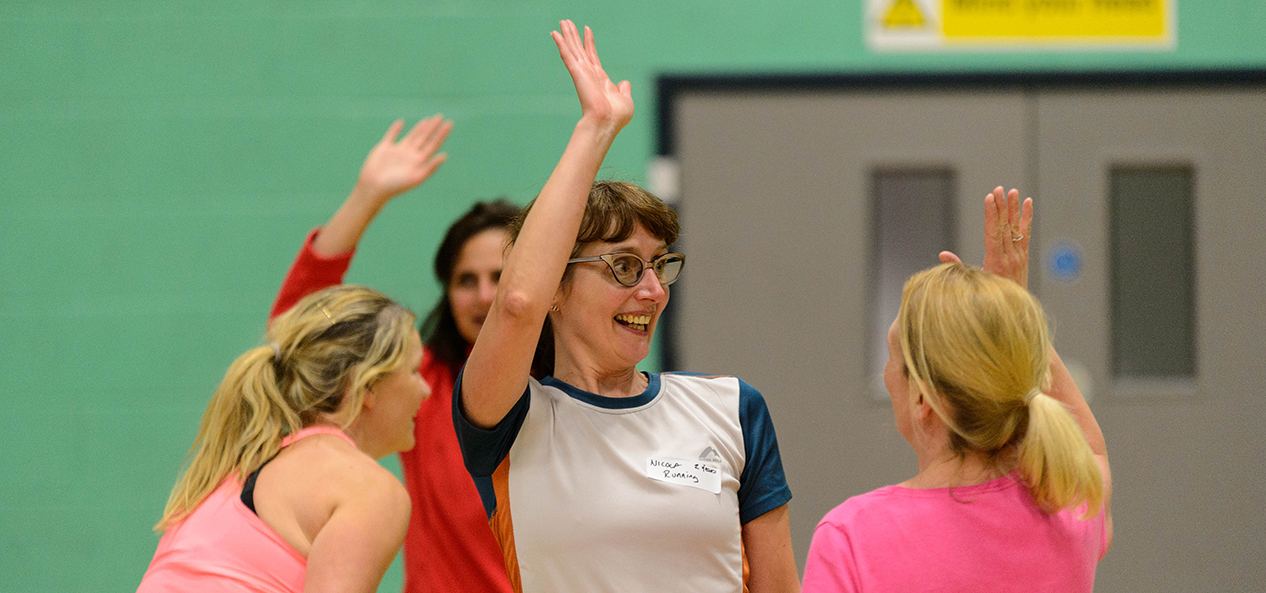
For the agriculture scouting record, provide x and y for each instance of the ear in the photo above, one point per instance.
(369, 401)
(560, 295)
(920, 408)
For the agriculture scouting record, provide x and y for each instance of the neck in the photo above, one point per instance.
(947, 469)
(363, 436)
(622, 383)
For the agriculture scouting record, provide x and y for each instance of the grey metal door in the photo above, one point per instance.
(778, 201)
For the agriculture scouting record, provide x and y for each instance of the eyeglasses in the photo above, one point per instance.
(627, 268)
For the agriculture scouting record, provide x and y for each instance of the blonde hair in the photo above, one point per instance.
(323, 354)
(977, 349)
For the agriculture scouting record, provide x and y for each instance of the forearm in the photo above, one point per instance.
(535, 265)
(1066, 392)
(497, 370)
(345, 228)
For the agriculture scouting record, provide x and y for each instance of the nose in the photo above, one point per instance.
(487, 290)
(426, 390)
(649, 288)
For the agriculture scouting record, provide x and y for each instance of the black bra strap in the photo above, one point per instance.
(248, 489)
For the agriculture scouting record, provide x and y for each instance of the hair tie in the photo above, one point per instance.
(1028, 397)
(276, 350)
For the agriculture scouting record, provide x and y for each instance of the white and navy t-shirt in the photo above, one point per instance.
(648, 493)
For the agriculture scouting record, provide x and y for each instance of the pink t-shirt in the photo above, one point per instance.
(988, 537)
(223, 547)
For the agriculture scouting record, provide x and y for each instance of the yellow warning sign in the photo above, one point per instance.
(975, 19)
(903, 14)
(902, 25)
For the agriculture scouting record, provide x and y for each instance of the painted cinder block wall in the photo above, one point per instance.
(161, 161)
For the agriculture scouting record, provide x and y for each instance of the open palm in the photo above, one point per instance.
(600, 98)
(1008, 224)
(395, 167)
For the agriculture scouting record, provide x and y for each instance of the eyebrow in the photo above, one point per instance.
(630, 249)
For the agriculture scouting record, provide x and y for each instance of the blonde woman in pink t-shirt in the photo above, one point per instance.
(282, 492)
(1013, 488)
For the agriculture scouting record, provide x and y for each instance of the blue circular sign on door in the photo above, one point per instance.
(1065, 261)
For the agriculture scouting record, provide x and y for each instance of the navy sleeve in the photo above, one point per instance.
(484, 449)
(762, 485)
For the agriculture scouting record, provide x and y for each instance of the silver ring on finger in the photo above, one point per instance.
(1017, 239)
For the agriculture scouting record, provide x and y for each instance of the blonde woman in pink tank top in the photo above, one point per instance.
(282, 492)
(1013, 490)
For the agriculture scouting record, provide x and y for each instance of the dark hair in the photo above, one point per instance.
(439, 329)
(612, 213)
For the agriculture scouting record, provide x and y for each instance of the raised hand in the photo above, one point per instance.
(393, 168)
(1008, 224)
(600, 99)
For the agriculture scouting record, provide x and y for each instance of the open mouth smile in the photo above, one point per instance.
(637, 322)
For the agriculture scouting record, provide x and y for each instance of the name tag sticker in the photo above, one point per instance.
(696, 474)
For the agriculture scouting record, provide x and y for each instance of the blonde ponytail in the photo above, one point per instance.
(977, 348)
(322, 356)
(1055, 460)
(242, 427)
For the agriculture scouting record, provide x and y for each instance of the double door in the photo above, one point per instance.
(804, 211)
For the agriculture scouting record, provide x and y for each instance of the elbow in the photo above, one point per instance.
(399, 508)
(519, 307)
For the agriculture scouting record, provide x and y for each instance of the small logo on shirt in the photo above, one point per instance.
(710, 455)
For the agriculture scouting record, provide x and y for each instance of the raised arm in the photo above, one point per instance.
(391, 169)
(497, 372)
(1007, 227)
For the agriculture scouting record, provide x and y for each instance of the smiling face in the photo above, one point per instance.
(396, 397)
(473, 286)
(601, 324)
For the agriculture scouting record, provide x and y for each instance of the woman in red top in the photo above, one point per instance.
(449, 546)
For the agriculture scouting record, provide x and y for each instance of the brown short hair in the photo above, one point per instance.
(613, 211)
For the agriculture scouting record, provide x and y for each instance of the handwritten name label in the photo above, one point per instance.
(696, 474)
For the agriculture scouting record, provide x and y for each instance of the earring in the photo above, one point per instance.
(554, 308)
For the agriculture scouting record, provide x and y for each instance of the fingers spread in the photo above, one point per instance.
(562, 45)
(992, 232)
(436, 137)
(592, 52)
(1026, 217)
(432, 164)
(1013, 209)
(393, 131)
(421, 130)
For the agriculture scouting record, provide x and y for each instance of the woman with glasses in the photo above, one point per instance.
(1013, 489)
(598, 477)
(448, 546)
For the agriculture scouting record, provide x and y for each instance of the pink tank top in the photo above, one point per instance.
(223, 547)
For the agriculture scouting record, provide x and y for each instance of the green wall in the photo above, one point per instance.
(160, 162)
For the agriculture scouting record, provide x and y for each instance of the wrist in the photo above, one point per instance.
(600, 128)
(367, 197)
